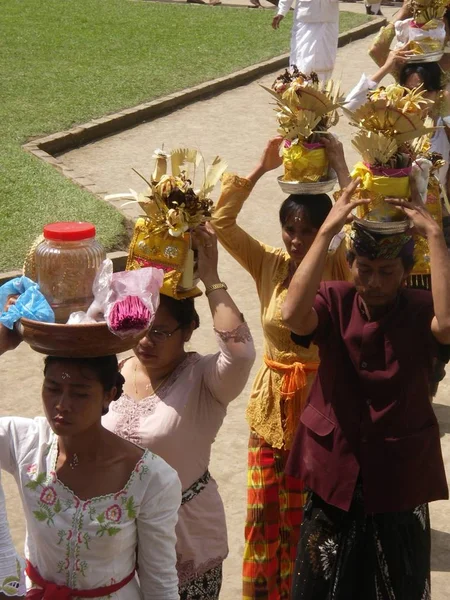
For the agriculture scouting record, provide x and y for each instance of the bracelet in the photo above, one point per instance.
(215, 286)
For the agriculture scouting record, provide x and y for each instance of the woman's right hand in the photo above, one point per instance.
(271, 158)
(395, 60)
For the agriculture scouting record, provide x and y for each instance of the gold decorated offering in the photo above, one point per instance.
(306, 108)
(172, 210)
(392, 133)
(424, 34)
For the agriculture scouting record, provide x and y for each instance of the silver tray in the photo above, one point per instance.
(318, 187)
(390, 228)
(425, 58)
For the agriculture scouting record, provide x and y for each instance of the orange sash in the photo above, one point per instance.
(293, 387)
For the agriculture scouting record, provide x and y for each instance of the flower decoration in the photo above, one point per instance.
(424, 33)
(305, 106)
(391, 119)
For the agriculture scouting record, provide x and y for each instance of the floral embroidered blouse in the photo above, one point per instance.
(180, 423)
(269, 268)
(86, 544)
(12, 580)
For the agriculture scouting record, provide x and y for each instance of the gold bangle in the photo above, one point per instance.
(215, 286)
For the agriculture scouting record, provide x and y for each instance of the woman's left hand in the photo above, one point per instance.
(205, 242)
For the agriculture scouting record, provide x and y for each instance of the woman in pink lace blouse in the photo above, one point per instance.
(174, 403)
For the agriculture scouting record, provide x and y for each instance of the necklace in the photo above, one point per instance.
(149, 386)
(74, 461)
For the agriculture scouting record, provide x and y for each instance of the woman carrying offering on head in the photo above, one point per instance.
(174, 402)
(93, 501)
(279, 390)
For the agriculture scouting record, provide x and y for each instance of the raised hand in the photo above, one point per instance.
(271, 158)
(205, 242)
(415, 210)
(339, 214)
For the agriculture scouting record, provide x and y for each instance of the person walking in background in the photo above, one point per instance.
(373, 7)
(314, 37)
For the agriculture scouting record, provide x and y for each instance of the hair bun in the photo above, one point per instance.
(120, 380)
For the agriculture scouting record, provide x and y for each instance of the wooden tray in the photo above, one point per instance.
(74, 341)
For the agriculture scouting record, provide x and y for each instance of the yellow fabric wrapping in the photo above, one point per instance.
(421, 249)
(148, 249)
(391, 187)
(304, 164)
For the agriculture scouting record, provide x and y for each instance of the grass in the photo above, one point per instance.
(64, 63)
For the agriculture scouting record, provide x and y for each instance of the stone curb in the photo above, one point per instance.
(45, 148)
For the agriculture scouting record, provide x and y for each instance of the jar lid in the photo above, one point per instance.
(69, 231)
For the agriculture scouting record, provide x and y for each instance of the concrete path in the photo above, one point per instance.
(236, 125)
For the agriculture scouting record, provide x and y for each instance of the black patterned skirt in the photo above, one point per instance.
(204, 587)
(354, 556)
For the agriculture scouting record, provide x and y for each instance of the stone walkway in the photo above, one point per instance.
(236, 125)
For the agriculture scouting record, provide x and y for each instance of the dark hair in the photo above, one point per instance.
(106, 369)
(446, 16)
(317, 207)
(430, 73)
(407, 261)
(183, 311)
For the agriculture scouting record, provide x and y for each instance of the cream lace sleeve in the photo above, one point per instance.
(226, 373)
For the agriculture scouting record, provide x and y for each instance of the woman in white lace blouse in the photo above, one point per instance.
(174, 403)
(92, 501)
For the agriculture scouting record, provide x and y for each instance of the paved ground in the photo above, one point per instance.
(235, 124)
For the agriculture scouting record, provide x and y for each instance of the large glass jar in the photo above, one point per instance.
(66, 264)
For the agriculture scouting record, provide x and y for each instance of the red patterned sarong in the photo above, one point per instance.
(272, 530)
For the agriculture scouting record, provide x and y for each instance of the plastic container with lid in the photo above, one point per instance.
(66, 264)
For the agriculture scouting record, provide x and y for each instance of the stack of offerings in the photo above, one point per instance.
(393, 139)
(306, 109)
(173, 209)
(424, 34)
(70, 303)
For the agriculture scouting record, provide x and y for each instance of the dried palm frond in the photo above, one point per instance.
(374, 148)
(304, 104)
(427, 10)
(214, 172)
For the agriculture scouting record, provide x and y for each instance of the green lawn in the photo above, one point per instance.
(64, 62)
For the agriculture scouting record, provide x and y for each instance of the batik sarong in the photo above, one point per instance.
(354, 556)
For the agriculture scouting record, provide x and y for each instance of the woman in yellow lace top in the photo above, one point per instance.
(281, 385)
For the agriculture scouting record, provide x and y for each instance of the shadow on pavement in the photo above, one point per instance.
(442, 412)
(440, 553)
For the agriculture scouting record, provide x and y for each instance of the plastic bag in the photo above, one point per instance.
(30, 304)
(133, 300)
(127, 300)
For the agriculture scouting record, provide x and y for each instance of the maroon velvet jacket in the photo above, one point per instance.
(369, 411)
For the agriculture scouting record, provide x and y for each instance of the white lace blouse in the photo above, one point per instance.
(86, 544)
(12, 580)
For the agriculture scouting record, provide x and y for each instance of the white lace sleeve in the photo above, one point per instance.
(358, 95)
(12, 579)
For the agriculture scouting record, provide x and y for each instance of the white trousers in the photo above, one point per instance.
(314, 48)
